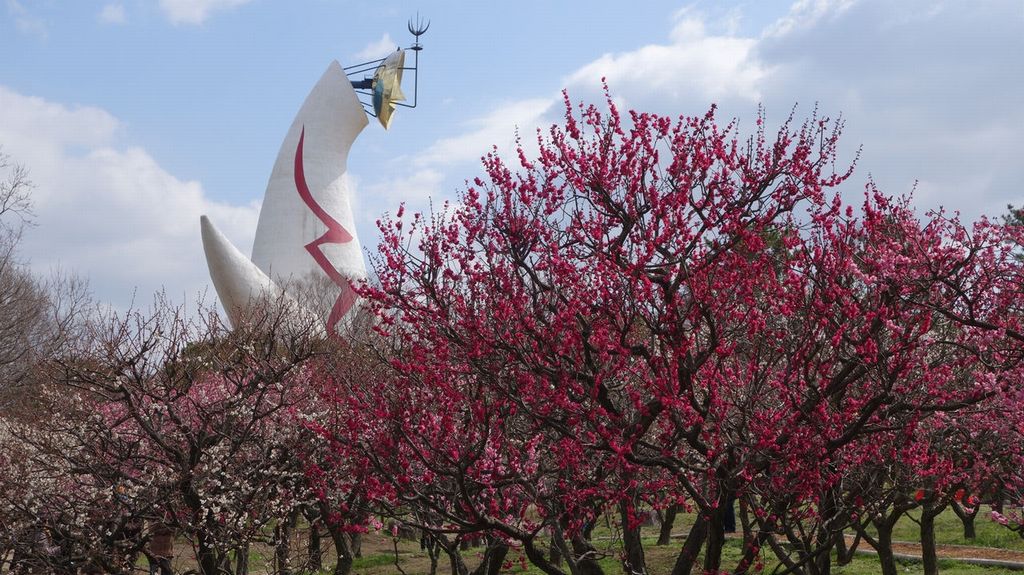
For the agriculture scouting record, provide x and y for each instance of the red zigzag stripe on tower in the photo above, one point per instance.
(335, 234)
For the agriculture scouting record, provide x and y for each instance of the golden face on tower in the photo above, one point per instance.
(387, 86)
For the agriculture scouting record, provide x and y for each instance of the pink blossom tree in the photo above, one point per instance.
(669, 309)
(165, 419)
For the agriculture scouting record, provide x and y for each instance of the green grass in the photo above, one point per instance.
(379, 559)
(949, 531)
(375, 560)
(661, 559)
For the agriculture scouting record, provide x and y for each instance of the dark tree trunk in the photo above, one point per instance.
(561, 549)
(691, 548)
(341, 548)
(746, 523)
(455, 559)
(750, 551)
(633, 557)
(969, 530)
(357, 544)
(667, 521)
(844, 553)
(715, 541)
(315, 554)
(967, 516)
(282, 548)
(242, 560)
(825, 540)
(929, 555)
(586, 555)
(494, 558)
(537, 558)
(209, 562)
(720, 520)
(430, 544)
(206, 553)
(555, 550)
(883, 546)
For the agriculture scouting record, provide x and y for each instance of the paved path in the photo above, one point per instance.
(989, 556)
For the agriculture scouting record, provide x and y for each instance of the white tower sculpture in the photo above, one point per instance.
(306, 227)
(306, 232)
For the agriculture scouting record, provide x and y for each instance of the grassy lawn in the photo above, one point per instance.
(378, 557)
(949, 531)
(659, 561)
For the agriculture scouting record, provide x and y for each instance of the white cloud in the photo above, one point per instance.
(495, 129)
(694, 64)
(26, 22)
(376, 50)
(414, 189)
(112, 14)
(195, 11)
(107, 210)
(807, 14)
(926, 90)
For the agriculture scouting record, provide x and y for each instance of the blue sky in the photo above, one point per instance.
(137, 116)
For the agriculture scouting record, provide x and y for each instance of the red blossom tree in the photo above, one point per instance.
(661, 307)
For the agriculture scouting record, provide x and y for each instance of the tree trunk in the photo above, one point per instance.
(314, 555)
(494, 558)
(750, 551)
(929, 556)
(209, 563)
(430, 544)
(455, 559)
(967, 516)
(844, 553)
(282, 548)
(633, 557)
(969, 530)
(357, 544)
(883, 546)
(340, 540)
(667, 521)
(746, 523)
(242, 560)
(716, 533)
(825, 539)
(561, 548)
(537, 558)
(713, 546)
(555, 551)
(694, 542)
(586, 556)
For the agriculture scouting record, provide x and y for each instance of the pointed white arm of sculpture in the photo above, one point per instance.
(237, 280)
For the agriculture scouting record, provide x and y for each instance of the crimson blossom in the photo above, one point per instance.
(657, 311)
